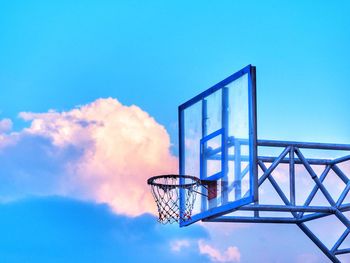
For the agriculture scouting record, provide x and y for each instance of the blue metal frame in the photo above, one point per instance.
(298, 217)
(216, 87)
(296, 157)
(203, 141)
(230, 206)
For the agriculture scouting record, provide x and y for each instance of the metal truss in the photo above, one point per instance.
(300, 214)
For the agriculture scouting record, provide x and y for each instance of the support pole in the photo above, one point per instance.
(203, 163)
(292, 176)
(225, 125)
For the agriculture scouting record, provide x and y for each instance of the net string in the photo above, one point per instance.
(167, 196)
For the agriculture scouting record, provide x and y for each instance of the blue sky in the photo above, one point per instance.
(58, 55)
(156, 55)
(62, 230)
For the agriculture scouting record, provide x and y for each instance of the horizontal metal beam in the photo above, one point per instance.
(287, 208)
(306, 218)
(344, 208)
(305, 145)
(270, 159)
(341, 159)
(342, 251)
(247, 219)
(302, 145)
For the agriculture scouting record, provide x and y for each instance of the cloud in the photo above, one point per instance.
(103, 151)
(178, 245)
(231, 254)
(5, 125)
(264, 242)
(56, 229)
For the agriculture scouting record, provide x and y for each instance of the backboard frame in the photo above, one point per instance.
(215, 212)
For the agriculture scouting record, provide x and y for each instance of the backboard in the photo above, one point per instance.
(218, 143)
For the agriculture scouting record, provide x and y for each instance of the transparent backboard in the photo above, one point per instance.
(217, 143)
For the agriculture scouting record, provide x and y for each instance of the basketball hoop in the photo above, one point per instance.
(166, 192)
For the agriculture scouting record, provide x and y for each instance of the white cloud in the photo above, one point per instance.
(178, 245)
(116, 148)
(104, 151)
(231, 254)
(5, 125)
(96, 234)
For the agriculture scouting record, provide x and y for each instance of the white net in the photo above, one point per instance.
(166, 192)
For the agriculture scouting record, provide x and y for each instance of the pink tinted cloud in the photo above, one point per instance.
(121, 146)
(179, 244)
(231, 254)
(5, 125)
